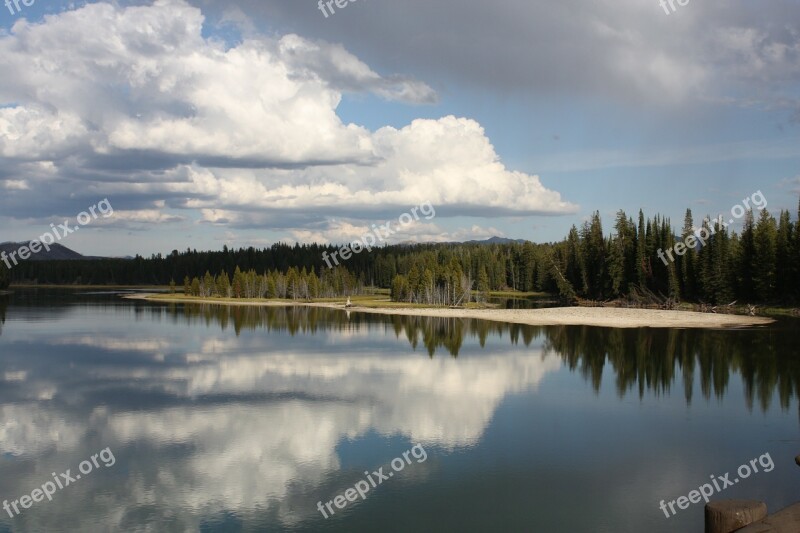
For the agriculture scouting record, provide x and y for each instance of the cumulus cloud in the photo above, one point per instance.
(152, 113)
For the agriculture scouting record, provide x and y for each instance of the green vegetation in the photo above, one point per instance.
(294, 285)
(760, 264)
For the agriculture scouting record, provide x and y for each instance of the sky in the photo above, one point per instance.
(245, 123)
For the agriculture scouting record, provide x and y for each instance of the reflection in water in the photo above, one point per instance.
(3, 307)
(216, 431)
(244, 423)
(648, 360)
(644, 359)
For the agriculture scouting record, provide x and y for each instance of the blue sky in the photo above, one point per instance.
(210, 123)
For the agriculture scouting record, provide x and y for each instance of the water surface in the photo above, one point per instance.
(243, 418)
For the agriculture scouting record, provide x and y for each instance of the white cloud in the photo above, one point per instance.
(139, 102)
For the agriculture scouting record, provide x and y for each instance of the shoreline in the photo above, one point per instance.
(554, 316)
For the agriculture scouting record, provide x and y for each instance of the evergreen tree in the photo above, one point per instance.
(313, 285)
(237, 285)
(784, 283)
(593, 252)
(413, 284)
(195, 286)
(272, 290)
(399, 289)
(622, 255)
(746, 260)
(209, 286)
(223, 284)
(641, 253)
(687, 261)
(766, 256)
(572, 267)
(292, 283)
(796, 256)
(483, 286)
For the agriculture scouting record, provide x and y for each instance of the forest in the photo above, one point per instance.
(758, 264)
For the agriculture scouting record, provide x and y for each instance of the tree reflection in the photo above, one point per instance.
(3, 307)
(642, 360)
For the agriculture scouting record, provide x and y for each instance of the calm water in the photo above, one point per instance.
(243, 419)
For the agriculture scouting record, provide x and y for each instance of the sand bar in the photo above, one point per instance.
(610, 317)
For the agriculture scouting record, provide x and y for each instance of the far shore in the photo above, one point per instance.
(558, 316)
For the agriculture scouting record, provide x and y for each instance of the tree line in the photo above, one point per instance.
(760, 263)
(295, 284)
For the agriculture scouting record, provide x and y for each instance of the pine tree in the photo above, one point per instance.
(223, 284)
(687, 261)
(622, 254)
(209, 286)
(572, 269)
(483, 286)
(527, 270)
(313, 285)
(428, 287)
(237, 285)
(765, 259)
(399, 289)
(593, 251)
(641, 253)
(195, 286)
(292, 283)
(413, 284)
(272, 290)
(796, 256)
(746, 260)
(783, 260)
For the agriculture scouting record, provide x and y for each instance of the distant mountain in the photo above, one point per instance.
(498, 240)
(490, 240)
(57, 252)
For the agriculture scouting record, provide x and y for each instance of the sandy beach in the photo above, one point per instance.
(565, 316)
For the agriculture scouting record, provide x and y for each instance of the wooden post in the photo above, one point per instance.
(726, 516)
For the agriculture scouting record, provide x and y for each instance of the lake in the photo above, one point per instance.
(212, 418)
